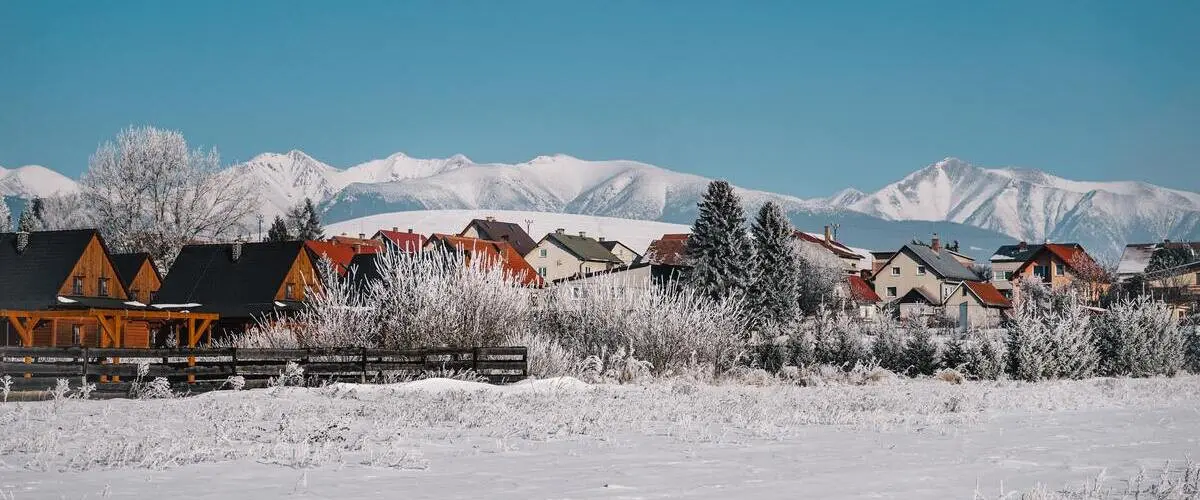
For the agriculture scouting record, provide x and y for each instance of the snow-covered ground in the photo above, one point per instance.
(561, 438)
(637, 234)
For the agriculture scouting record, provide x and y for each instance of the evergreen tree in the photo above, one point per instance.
(38, 207)
(719, 250)
(5, 216)
(28, 222)
(278, 231)
(921, 351)
(310, 222)
(773, 297)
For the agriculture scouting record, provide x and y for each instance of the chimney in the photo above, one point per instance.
(362, 236)
(235, 250)
(935, 243)
(396, 229)
(828, 236)
(583, 234)
(410, 230)
(22, 241)
(560, 231)
(601, 238)
(490, 218)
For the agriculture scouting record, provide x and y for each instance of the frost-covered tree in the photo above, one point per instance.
(888, 345)
(278, 231)
(28, 222)
(773, 298)
(64, 211)
(837, 339)
(148, 192)
(719, 250)
(819, 277)
(310, 223)
(921, 351)
(1140, 338)
(1051, 336)
(336, 314)
(5, 216)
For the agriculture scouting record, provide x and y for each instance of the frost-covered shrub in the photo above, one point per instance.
(837, 339)
(986, 356)
(5, 386)
(672, 328)
(547, 357)
(1192, 350)
(801, 348)
(956, 354)
(1139, 337)
(888, 345)
(1051, 336)
(921, 352)
(159, 388)
(292, 374)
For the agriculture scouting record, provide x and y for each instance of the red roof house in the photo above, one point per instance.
(670, 250)
(492, 253)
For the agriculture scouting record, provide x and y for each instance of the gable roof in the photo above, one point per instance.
(943, 264)
(1020, 252)
(919, 294)
(987, 294)
(583, 247)
(405, 241)
(670, 250)
(129, 264)
(1067, 253)
(364, 244)
(492, 252)
(508, 232)
(340, 255)
(208, 275)
(838, 249)
(860, 290)
(611, 245)
(31, 279)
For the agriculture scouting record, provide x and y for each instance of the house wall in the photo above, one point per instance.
(145, 283)
(978, 315)
(301, 275)
(632, 281)
(92, 266)
(626, 254)
(999, 268)
(558, 263)
(1046, 258)
(907, 280)
(471, 232)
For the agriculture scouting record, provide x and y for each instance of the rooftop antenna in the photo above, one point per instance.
(528, 225)
(835, 227)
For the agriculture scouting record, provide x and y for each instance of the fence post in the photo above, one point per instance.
(364, 365)
(85, 365)
(191, 362)
(475, 360)
(233, 356)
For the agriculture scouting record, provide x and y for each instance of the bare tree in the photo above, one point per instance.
(149, 193)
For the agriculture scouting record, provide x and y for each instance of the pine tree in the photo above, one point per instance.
(5, 216)
(773, 297)
(38, 207)
(28, 222)
(921, 351)
(719, 250)
(278, 231)
(310, 222)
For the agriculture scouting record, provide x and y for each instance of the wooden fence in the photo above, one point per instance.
(114, 371)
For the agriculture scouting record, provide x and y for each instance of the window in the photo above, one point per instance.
(289, 291)
(102, 288)
(542, 271)
(964, 291)
(1008, 275)
(153, 295)
(542, 252)
(77, 285)
(891, 291)
(1041, 271)
(76, 334)
(920, 270)
(895, 271)
(133, 294)
(1060, 269)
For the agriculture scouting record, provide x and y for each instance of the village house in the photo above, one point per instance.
(487, 253)
(139, 275)
(61, 288)
(560, 255)
(1138, 257)
(976, 304)
(404, 241)
(620, 281)
(490, 229)
(1058, 265)
(340, 255)
(627, 255)
(359, 244)
(931, 268)
(670, 250)
(242, 282)
(1178, 286)
(853, 262)
(858, 295)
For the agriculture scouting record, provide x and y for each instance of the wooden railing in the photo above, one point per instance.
(114, 371)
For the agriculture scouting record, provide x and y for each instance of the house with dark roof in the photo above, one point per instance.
(491, 229)
(1054, 264)
(242, 282)
(931, 268)
(404, 241)
(139, 275)
(1137, 258)
(560, 255)
(622, 251)
(487, 253)
(670, 250)
(63, 288)
(852, 262)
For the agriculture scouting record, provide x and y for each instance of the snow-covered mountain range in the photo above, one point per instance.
(981, 207)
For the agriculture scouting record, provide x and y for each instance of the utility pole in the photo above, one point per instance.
(260, 221)
(528, 225)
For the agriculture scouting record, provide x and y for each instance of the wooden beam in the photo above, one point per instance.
(25, 331)
(205, 328)
(191, 332)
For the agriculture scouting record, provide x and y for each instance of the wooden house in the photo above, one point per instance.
(139, 275)
(62, 288)
(242, 282)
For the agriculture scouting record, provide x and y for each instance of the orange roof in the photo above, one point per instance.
(341, 255)
(668, 250)
(365, 245)
(1067, 253)
(491, 251)
(406, 241)
(860, 290)
(988, 294)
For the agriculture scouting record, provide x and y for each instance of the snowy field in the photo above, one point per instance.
(561, 438)
(637, 234)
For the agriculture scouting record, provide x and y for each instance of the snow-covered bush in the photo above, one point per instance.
(5, 386)
(837, 339)
(986, 356)
(820, 275)
(921, 352)
(1051, 336)
(888, 345)
(292, 374)
(1139, 337)
(159, 388)
(672, 328)
(546, 357)
(1192, 350)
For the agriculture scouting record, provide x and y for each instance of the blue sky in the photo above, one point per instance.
(789, 96)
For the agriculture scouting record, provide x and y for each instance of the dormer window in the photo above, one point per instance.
(77, 285)
(102, 287)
